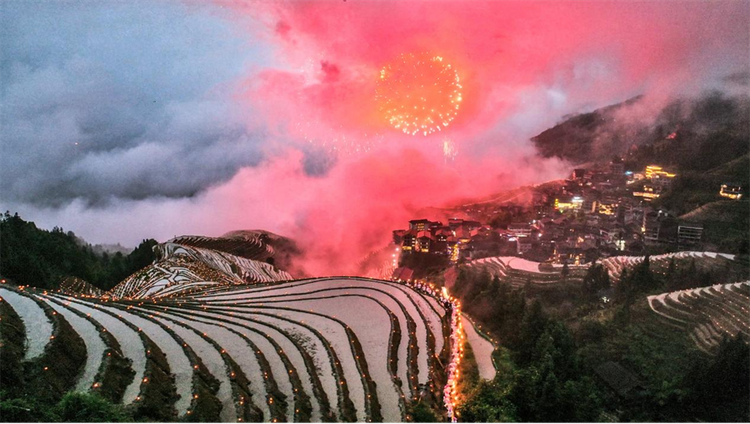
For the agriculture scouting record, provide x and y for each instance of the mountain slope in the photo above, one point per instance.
(258, 245)
(180, 268)
(39, 258)
(693, 134)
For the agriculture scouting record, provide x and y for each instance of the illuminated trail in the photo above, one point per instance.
(419, 93)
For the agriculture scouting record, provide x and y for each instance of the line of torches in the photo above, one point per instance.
(450, 397)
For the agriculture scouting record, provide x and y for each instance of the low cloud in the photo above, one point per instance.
(112, 101)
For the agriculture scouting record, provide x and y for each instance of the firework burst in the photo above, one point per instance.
(419, 93)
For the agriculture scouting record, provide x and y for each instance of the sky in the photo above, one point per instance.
(150, 119)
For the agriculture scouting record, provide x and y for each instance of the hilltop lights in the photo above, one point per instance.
(731, 191)
(655, 171)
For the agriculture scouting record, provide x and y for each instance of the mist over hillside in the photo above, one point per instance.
(695, 133)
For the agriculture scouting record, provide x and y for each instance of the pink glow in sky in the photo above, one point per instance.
(512, 57)
(523, 66)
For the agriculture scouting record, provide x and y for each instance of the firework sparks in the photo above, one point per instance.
(450, 151)
(419, 93)
(336, 140)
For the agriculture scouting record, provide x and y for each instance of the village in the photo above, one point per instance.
(595, 213)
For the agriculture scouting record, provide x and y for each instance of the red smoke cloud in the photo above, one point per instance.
(602, 50)
(341, 217)
(512, 57)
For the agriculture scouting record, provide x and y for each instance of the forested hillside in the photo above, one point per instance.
(39, 258)
(689, 134)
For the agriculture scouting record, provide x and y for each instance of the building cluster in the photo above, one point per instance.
(655, 180)
(607, 211)
(434, 237)
(595, 213)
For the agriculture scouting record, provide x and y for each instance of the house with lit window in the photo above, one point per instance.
(419, 224)
(563, 204)
(520, 229)
(425, 241)
(649, 192)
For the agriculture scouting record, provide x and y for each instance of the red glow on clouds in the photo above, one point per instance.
(340, 218)
(522, 65)
(523, 62)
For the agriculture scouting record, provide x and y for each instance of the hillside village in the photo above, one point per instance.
(595, 213)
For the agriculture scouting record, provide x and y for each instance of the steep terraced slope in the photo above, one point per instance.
(518, 271)
(708, 314)
(180, 268)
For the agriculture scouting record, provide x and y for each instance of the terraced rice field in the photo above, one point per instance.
(615, 265)
(183, 268)
(246, 246)
(518, 271)
(326, 349)
(482, 347)
(707, 313)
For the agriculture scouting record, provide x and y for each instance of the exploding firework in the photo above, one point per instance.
(419, 93)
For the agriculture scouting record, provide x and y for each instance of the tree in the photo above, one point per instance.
(489, 402)
(84, 407)
(643, 279)
(744, 248)
(533, 325)
(638, 281)
(19, 410)
(596, 280)
(421, 413)
(551, 387)
(671, 275)
(726, 377)
(481, 284)
(40, 258)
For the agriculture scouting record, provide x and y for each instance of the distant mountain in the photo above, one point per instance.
(588, 136)
(689, 134)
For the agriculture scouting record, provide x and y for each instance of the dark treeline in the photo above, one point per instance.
(40, 258)
(546, 382)
(551, 375)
